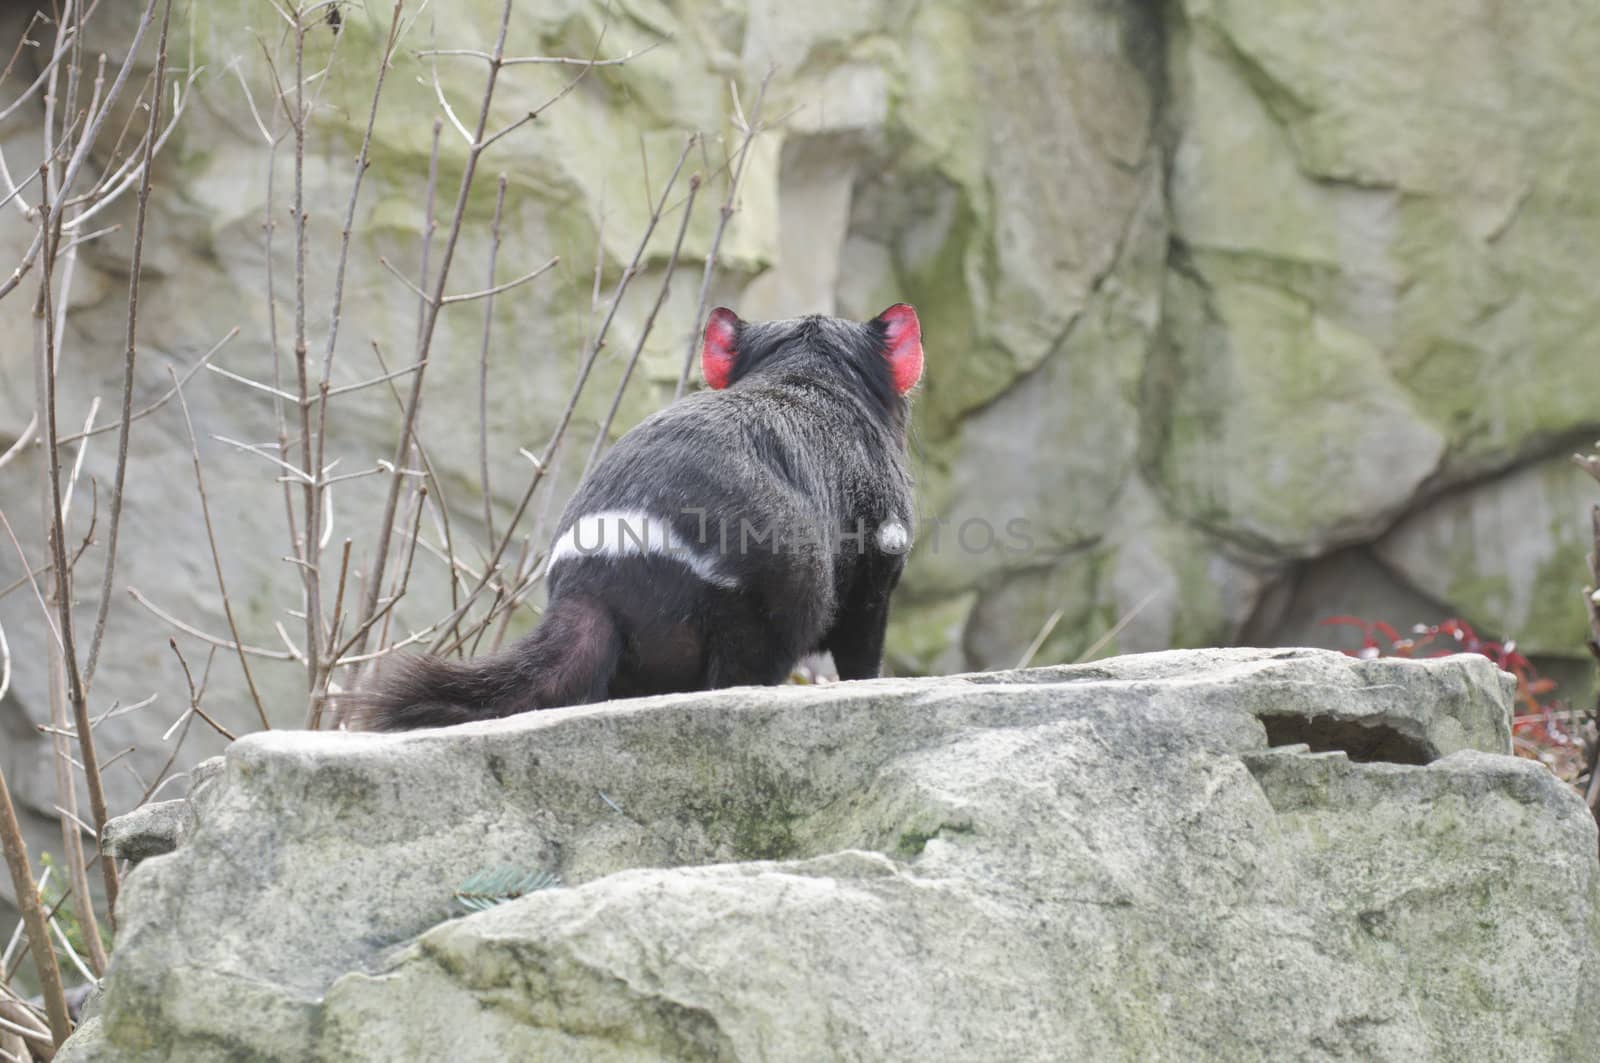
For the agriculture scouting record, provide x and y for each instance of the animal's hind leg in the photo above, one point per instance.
(745, 648)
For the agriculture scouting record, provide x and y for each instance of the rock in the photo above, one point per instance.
(149, 830)
(1510, 554)
(1212, 292)
(1430, 217)
(1146, 857)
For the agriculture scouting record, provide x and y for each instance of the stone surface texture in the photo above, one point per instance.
(1106, 861)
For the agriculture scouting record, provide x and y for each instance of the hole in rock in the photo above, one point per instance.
(1362, 742)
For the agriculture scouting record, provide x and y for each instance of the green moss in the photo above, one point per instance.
(765, 833)
(1557, 621)
(911, 843)
(755, 812)
(939, 285)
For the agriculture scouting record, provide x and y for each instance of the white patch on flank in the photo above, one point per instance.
(893, 537)
(633, 533)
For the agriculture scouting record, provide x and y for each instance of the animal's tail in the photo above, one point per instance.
(569, 659)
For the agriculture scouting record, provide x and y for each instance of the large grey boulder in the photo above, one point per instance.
(1153, 857)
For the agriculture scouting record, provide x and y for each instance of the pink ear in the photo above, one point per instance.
(903, 342)
(718, 353)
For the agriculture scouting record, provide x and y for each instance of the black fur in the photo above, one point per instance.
(807, 440)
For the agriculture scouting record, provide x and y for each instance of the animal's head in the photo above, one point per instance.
(883, 357)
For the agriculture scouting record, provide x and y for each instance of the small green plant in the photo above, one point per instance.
(53, 896)
(485, 889)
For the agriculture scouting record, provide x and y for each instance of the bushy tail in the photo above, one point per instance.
(569, 659)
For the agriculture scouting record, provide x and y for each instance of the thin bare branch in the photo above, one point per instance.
(483, 364)
(69, 34)
(449, 629)
(407, 281)
(28, 574)
(22, 441)
(247, 382)
(216, 558)
(319, 673)
(661, 298)
(202, 362)
(17, 189)
(345, 389)
(181, 726)
(194, 698)
(75, 163)
(72, 953)
(438, 91)
(425, 333)
(77, 462)
(507, 286)
(27, 895)
(750, 127)
(542, 60)
(295, 472)
(196, 633)
(1045, 630)
(129, 355)
(1116, 629)
(311, 498)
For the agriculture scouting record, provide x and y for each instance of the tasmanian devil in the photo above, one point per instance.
(718, 542)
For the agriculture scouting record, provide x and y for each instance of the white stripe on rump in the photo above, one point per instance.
(633, 533)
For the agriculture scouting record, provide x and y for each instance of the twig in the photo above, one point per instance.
(449, 112)
(194, 699)
(319, 697)
(28, 574)
(216, 559)
(410, 284)
(430, 225)
(449, 629)
(751, 128)
(269, 227)
(507, 286)
(201, 363)
(194, 632)
(72, 953)
(77, 694)
(81, 154)
(345, 389)
(318, 674)
(425, 333)
(310, 573)
(125, 178)
(67, 31)
(1039, 639)
(483, 366)
(16, 854)
(295, 472)
(256, 384)
(550, 60)
(650, 321)
(389, 603)
(22, 440)
(129, 354)
(1116, 629)
(77, 462)
(182, 725)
